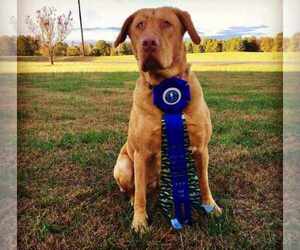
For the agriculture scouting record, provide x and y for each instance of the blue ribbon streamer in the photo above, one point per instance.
(177, 157)
(171, 96)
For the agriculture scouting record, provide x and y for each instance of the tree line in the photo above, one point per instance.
(249, 44)
(30, 46)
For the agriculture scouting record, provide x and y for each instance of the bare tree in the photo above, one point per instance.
(49, 28)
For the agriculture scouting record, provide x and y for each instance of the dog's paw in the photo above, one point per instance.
(217, 211)
(212, 209)
(140, 224)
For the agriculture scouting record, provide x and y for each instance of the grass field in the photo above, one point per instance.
(72, 121)
(227, 61)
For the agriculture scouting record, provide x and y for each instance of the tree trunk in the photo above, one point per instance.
(51, 59)
(51, 55)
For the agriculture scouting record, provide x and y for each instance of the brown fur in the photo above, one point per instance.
(138, 165)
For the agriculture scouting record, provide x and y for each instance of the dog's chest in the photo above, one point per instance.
(153, 138)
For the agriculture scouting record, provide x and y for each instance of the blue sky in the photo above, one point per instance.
(213, 18)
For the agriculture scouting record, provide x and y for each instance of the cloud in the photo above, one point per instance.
(92, 34)
(236, 31)
(99, 29)
(110, 33)
(218, 18)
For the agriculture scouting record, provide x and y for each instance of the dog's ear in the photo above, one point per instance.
(188, 25)
(124, 30)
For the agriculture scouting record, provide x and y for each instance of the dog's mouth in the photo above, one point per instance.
(151, 64)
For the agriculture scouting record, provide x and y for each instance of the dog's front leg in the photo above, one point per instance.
(201, 158)
(139, 223)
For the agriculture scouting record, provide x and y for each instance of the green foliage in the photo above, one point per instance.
(234, 44)
(27, 46)
(266, 44)
(38, 144)
(88, 48)
(198, 48)
(73, 51)
(61, 49)
(113, 51)
(43, 51)
(101, 48)
(213, 45)
(125, 49)
(251, 44)
(278, 42)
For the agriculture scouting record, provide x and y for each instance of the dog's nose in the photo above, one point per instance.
(150, 44)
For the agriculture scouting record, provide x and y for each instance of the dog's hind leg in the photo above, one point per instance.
(123, 172)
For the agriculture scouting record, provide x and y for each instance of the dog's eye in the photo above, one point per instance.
(141, 25)
(166, 24)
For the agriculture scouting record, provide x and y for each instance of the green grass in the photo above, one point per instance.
(71, 127)
(225, 61)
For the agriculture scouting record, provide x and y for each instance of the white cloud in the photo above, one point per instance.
(210, 17)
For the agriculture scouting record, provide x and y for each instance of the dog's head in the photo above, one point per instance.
(156, 36)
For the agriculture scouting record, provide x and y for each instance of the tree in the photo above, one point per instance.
(278, 42)
(113, 51)
(213, 45)
(125, 49)
(219, 46)
(43, 51)
(208, 45)
(27, 46)
(251, 44)
(87, 48)
(73, 51)
(102, 48)
(196, 48)
(189, 47)
(266, 44)
(234, 44)
(60, 49)
(200, 48)
(49, 28)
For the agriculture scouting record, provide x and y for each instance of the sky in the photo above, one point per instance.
(212, 18)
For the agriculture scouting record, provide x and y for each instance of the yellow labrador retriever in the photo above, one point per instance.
(157, 40)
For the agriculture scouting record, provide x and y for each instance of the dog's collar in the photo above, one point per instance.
(182, 75)
(149, 85)
(179, 76)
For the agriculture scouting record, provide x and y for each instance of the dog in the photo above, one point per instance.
(156, 36)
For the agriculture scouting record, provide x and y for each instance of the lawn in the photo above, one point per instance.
(225, 61)
(71, 126)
